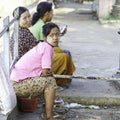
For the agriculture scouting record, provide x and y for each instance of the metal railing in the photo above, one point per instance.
(5, 56)
(6, 39)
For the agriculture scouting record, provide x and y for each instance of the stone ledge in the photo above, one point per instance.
(101, 101)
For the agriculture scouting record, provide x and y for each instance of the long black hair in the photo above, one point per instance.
(46, 29)
(42, 8)
(18, 11)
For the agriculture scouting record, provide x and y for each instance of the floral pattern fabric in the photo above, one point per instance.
(26, 41)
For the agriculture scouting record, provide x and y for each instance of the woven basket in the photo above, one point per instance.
(27, 105)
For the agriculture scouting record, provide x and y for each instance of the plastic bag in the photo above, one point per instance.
(7, 95)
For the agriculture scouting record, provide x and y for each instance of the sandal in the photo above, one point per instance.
(43, 116)
(55, 115)
(60, 118)
(59, 89)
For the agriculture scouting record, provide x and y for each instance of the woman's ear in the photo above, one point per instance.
(46, 14)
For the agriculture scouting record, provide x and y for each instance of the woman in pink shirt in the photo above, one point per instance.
(32, 74)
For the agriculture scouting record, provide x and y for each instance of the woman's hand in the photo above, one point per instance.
(46, 72)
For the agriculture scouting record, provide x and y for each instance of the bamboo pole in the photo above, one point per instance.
(86, 77)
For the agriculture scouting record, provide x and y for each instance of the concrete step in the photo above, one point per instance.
(91, 92)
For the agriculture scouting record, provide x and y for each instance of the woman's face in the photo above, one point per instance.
(25, 20)
(49, 16)
(53, 37)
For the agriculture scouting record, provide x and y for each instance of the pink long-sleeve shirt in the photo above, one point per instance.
(32, 63)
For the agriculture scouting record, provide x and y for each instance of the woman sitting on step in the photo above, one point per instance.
(32, 74)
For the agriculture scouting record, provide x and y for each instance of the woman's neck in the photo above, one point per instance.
(48, 43)
(43, 19)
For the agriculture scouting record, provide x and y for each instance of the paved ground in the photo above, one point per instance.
(94, 48)
(95, 52)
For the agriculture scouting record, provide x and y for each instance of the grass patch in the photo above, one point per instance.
(111, 18)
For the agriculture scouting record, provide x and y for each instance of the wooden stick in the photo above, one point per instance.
(86, 77)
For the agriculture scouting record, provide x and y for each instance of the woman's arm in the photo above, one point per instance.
(46, 72)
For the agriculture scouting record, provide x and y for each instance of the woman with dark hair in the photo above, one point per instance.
(32, 74)
(26, 40)
(62, 63)
(44, 14)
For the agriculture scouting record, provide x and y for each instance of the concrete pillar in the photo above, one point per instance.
(104, 8)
